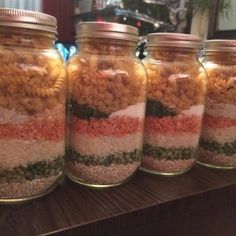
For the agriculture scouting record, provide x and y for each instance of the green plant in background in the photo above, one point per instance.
(225, 6)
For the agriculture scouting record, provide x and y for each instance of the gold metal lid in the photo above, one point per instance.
(174, 40)
(27, 19)
(220, 45)
(106, 30)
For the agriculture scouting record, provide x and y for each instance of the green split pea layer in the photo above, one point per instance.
(40, 169)
(228, 149)
(122, 158)
(161, 153)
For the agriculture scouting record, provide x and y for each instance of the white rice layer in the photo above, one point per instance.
(172, 141)
(220, 109)
(220, 135)
(15, 152)
(104, 145)
(197, 110)
(134, 111)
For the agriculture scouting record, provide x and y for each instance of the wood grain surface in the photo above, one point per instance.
(201, 202)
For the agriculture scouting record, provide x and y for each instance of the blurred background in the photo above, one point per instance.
(206, 18)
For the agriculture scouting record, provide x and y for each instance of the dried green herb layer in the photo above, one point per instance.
(85, 112)
(123, 158)
(156, 108)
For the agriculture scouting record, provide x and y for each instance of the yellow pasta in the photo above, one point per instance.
(29, 74)
(102, 82)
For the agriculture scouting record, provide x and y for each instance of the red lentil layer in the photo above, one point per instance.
(41, 130)
(190, 124)
(117, 126)
(218, 122)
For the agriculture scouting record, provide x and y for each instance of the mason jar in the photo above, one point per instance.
(175, 103)
(106, 105)
(218, 139)
(32, 105)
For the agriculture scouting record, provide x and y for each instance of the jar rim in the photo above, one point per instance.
(109, 30)
(174, 40)
(215, 45)
(19, 18)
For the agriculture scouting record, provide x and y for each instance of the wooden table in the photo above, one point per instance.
(201, 202)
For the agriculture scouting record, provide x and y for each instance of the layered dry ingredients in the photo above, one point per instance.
(174, 113)
(218, 141)
(107, 106)
(32, 115)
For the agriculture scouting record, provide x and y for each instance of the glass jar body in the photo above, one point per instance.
(218, 140)
(107, 108)
(175, 104)
(32, 114)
